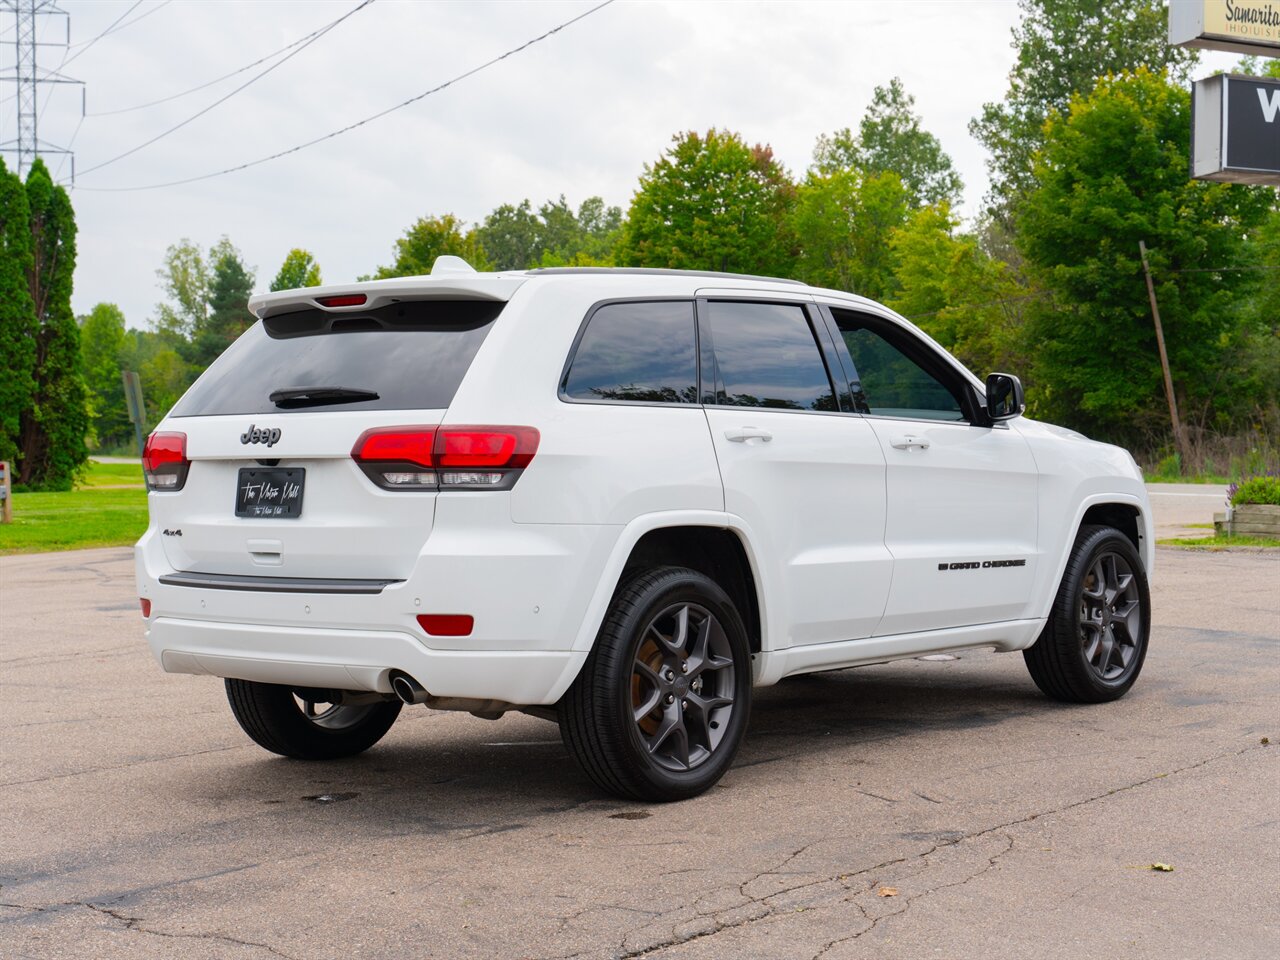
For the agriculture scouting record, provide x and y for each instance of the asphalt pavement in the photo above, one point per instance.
(922, 809)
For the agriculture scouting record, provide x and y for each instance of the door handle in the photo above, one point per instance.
(743, 434)
(906, 443)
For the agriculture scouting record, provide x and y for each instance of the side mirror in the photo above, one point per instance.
(1005, 399)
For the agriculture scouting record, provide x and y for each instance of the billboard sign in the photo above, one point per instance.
(1237, 26)
(1235, 129)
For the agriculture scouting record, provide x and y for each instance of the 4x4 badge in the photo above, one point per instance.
(255, 435)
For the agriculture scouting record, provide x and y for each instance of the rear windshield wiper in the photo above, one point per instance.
(318, 396)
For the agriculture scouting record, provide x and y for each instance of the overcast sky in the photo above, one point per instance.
(578, 113)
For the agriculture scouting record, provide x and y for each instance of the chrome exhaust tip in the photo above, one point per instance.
(408, 689)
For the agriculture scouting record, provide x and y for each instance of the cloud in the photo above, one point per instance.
(579, 113)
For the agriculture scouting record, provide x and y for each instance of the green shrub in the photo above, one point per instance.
(1264, 489)
(1170, 468)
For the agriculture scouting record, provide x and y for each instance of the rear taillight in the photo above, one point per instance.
(445, 458)
(164, 461)
(342, 300)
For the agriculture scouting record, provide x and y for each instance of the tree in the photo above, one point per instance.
(298, 270)
(586, 238)
(511, 237)
(1113, 171)
(891, 139)
(964, 299)
(1064, 47)
(53, 428)
(230, 285)
(711, 203)
(184, 277)
(102, 344)
(432, 237)
(18, 327)
(844, 220)
(515, 238)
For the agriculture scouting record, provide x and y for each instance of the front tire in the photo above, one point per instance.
(280, 720)
(1092, 647)
(661, 704)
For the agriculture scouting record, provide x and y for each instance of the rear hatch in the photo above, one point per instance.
(270, 487)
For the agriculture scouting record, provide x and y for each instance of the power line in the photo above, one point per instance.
(89, 43)
(366, 120)
(217, 80)
(123, 26)
(252, 80)
(86, 44)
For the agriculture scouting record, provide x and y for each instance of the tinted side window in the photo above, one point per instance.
(890, 382)
(409, 356)
(766, 356)
(641, 352)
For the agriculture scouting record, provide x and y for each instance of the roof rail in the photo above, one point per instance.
(659, 272)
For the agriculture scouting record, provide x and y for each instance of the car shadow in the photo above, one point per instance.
(451, 773)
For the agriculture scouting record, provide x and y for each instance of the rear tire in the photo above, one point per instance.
(661, 704)
(1092, 648)
(275, 719)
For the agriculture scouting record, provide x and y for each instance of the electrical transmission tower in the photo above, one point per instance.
(28, 78)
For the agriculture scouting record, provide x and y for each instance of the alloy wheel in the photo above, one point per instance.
(682, 686)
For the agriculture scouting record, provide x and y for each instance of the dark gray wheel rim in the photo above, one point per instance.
(332, 716)
(682, 687)
(1110, 617)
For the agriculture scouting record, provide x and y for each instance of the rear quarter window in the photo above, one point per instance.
(413, 355)
(643, 352)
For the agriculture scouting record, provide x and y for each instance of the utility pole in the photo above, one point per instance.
(1179, 435)
(28, 78)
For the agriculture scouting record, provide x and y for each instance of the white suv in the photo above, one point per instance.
(618, 499)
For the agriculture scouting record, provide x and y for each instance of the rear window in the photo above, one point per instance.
(412, 355)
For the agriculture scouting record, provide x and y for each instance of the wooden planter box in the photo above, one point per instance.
(1255, 520)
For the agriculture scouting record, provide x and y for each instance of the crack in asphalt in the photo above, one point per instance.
(135, 924)
(719, 926)
(40, 659)
(906, 902)
(120, 766)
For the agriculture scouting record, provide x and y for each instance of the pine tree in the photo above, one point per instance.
(17, 313)
(52, 430)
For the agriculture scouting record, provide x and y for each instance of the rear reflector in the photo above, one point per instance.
(164, 461)
(146, 606)
(447, 624)
(344, 300)
(454, 458)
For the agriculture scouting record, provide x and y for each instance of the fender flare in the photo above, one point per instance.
(632, 533)
(1146, 546)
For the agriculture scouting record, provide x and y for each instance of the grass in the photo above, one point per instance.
(110, 475)
(1221, 542)
(71, 521)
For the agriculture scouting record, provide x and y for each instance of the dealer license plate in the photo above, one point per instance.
(270, 493)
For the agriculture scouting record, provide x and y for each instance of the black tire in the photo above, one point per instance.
(273, 717)
(1092, 647)
(695, 678)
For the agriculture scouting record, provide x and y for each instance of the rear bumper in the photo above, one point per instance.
(357, 660)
